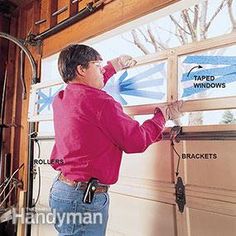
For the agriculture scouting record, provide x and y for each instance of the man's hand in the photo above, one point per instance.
(122, 62)
(172, 110)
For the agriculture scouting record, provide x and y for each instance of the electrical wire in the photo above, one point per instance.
(8, 182)
(8, 194)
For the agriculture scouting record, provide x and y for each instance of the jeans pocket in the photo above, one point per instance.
(63, 209)
(99, 202)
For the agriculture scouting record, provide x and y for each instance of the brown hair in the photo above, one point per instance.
(72, 56)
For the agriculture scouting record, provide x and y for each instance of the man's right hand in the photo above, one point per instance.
(123, 62)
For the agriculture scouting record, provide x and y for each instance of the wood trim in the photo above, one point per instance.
(7, 52)
(211, 205)
(188, 106)
(212, 43)
(20, 225)
(209, 104)
(209, 128)
(45, 84)
(172, 79)
(182, 222)
(73, 8)
(63, 4)
(219, 194)
(53, 6)
(36, 16)
(205, 45)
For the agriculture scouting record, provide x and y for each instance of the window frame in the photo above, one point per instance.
(171, 56)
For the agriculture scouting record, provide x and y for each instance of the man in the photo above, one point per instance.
(91, 132)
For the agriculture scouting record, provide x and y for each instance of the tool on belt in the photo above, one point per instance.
(90, 190)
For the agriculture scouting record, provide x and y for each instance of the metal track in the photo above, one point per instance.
(208, 135)
(26, 51)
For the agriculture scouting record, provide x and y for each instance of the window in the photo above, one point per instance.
(45, 98)
(179, 57)
(140, 85)
(209, 74)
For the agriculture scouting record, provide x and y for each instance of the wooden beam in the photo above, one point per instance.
(46, 9)
(9, 134)
(73, 8)
(63, 4)
(112, 15)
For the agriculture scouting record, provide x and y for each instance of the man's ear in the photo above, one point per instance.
(80, 70)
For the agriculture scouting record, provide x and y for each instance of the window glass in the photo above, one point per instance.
(49, 71)
(46, 127)
(45, 99)
(202, 20)
(140, 85)
(206, 117)
(208, 74)
(198, 118)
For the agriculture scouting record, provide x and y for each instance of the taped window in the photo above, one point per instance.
(141, 85)
(209, 74)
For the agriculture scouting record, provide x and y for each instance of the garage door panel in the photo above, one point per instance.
(210, 224)
(136, 216)
(214, 173)
(43, 229)
(154, 163)
(45, 149)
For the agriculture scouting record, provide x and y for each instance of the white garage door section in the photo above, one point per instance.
(210, 192)
(143, 200)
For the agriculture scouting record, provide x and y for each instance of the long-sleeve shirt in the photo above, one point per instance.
(92, 131)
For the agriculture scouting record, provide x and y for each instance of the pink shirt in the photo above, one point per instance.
(92, 131)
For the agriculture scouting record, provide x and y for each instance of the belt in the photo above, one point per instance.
(82, 185)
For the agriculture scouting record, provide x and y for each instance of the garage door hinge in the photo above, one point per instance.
(180, 194)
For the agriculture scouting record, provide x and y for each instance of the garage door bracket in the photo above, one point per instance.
(180, 194)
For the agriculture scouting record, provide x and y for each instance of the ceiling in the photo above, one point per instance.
(8, 6)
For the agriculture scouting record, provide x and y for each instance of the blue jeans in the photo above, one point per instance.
(72, 216)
